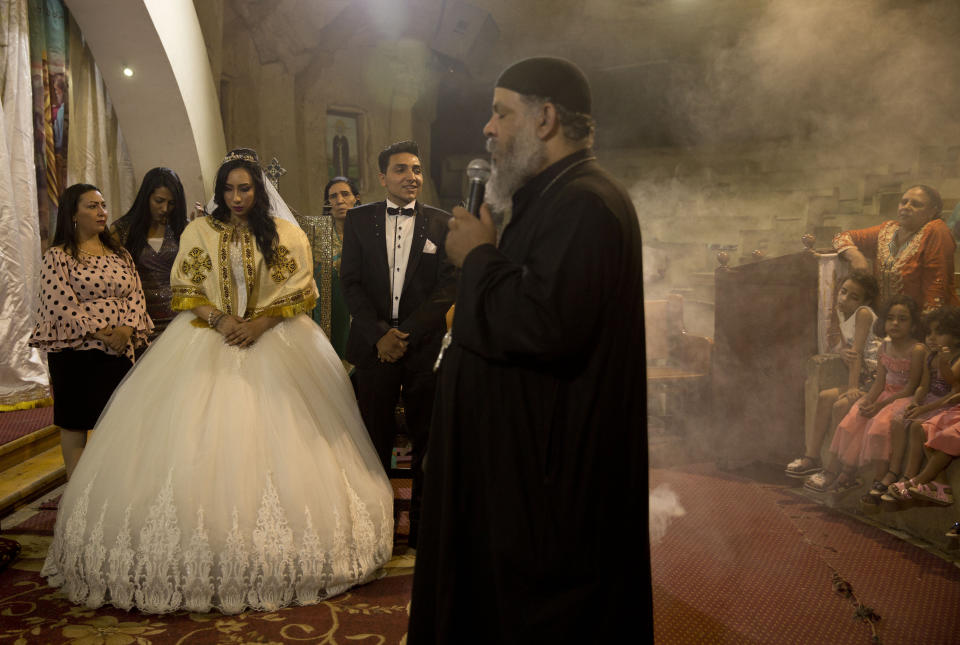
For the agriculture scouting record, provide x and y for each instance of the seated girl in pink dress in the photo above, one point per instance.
(899, 369)
(940, 435)
(942, 446)
(940, 404)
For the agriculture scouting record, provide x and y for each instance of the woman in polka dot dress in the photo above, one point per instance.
(91, 317)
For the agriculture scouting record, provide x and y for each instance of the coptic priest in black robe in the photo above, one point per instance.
(534, 526)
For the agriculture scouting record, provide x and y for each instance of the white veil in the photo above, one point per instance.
(278, 207)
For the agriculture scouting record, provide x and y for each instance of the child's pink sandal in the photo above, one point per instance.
(900, 490)
(943, 495)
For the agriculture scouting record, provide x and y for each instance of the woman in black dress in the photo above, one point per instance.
(150, 231)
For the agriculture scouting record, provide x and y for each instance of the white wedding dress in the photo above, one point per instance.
(224, 478)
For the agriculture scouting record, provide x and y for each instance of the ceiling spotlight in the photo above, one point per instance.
(127, 71)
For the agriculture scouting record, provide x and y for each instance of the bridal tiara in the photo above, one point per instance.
(243, 156)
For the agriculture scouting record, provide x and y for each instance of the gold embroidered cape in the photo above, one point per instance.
(202, 273)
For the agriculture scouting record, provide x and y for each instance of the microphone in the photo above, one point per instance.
(478, 171)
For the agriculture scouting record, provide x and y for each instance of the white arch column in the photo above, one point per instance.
(168, 110)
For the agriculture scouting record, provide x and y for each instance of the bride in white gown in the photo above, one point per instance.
(231, 469)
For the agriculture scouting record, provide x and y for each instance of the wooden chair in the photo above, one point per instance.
(678, 366)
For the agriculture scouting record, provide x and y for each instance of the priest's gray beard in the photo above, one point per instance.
(518, 162)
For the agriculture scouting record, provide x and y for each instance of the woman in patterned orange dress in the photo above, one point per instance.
(912, 255)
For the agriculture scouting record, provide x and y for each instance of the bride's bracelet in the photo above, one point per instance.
(214, 318)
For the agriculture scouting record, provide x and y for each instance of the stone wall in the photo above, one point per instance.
(763, 197)
(838, 149)
(391, 90)
(277, 103)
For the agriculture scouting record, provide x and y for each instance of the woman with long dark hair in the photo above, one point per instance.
(232, 468)
(91, 317)
(150, 231)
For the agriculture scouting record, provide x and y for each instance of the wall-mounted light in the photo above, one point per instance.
(127, 71)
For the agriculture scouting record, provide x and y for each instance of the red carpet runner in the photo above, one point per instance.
(19, 423)
(753, 563)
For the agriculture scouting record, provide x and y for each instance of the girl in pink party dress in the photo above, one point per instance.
(899, 369)
(942, 435)
(939, 436)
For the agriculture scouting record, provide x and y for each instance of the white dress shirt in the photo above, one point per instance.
(399, 237)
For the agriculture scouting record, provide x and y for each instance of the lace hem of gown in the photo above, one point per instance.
(264, 570)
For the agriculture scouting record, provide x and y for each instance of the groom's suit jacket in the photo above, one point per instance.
(429, 284)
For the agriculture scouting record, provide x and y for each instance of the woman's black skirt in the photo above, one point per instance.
(82, 382)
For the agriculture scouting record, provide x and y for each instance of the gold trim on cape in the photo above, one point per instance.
(249, 260)
(296, 294)
(299, 302)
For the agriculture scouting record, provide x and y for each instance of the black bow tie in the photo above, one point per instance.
(400, 211)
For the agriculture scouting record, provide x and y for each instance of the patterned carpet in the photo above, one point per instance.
(31, 612)
(749, 563)
(19, 423)
(40, 523)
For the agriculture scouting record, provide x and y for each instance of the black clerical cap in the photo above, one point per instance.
(556, 79)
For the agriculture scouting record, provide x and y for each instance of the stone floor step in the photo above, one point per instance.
(30, 445)
(25, 481)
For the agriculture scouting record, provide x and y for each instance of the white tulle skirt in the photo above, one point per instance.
(225, 478)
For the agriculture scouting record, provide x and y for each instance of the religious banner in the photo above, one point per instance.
(23, 374)
(98, 152)
(48, 72)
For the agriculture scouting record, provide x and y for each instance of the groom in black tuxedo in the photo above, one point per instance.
(398, 286)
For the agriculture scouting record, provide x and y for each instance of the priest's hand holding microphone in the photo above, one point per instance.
(472, 226)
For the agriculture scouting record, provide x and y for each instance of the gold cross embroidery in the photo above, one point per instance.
(196, 265)
(282, 266)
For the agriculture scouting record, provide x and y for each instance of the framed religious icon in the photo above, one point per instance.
(343, 145)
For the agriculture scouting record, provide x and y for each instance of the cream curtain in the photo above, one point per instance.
(97, 153)
(23, 373)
